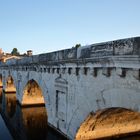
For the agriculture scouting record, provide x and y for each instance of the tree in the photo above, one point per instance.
(15, 51)
(77, 45)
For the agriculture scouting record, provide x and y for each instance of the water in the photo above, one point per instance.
(28, 123)
(4, 133)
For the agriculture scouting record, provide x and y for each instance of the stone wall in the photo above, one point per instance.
(121, 47)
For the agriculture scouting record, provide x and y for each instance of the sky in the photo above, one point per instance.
(50, 25)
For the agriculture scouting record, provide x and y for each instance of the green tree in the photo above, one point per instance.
(15, 51)
(77, 45)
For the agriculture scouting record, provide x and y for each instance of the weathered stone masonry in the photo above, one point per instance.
(77, 81)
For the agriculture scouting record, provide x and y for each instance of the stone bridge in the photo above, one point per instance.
(74, 82)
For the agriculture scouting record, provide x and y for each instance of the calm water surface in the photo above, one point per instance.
(28, 123)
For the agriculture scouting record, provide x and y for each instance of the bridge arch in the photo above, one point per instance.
(40, 82)
(32, 94)
(10, 84)
(1, 84)
(119, 122)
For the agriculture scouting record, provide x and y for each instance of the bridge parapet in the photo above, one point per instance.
(118, 48)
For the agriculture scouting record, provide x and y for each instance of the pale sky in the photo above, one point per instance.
(49, 25)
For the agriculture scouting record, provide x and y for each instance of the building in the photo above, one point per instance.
(29, 53)
(4, 57)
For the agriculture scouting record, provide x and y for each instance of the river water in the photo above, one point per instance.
(4, 133)
(28, 123)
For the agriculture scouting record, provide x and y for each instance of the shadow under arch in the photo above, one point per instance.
(10, 85)
(32, 94)
(110, 123)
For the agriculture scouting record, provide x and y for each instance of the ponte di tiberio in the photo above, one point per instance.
(89, 92)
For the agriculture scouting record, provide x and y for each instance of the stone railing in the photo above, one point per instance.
(123, 47)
